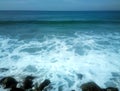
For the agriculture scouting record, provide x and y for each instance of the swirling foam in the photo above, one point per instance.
(66, 61)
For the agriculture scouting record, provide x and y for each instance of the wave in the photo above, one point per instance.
(59, 21)
(66, 60)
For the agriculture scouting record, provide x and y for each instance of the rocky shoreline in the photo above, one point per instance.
(27, 85)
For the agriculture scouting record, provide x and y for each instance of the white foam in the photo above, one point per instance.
(61, 58)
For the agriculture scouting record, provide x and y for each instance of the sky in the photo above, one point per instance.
(56, 5)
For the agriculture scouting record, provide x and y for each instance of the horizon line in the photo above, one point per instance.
(60, 10)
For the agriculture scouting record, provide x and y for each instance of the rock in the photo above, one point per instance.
(90, 86)
(17, 89)
(104, 90)
(112, 89)
(28, 82)
(8, 82)
(44, 84)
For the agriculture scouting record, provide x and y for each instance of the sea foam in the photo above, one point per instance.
(68, 61)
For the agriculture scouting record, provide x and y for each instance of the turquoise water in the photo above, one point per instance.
(69, 48)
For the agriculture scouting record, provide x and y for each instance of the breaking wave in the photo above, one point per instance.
(68, 61)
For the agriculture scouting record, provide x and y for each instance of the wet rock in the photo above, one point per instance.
(90, 86)
(44, 84)
(17, 89)
(3, 69)
(8, 82)
(111, 89)
(104, 90)
(28, 82)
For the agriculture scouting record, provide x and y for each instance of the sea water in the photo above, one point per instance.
(69, 48)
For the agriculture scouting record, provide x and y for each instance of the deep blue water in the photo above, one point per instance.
(60, 15)
(61, 46)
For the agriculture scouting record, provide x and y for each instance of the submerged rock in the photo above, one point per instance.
(30, 68)
(3, 69)
(80, 76)
(110, 84)
(8, 82)
(44, 84)
(28, 82)
(115, 74)
(90, 86)
(70, 82)
(60, 88)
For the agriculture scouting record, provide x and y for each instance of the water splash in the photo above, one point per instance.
(68, 61)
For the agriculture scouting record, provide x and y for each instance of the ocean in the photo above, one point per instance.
(68, 47)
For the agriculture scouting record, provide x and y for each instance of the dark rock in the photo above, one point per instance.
(44, 84)
(104, 90)
(28, 82)
(90, 86)
(112, 89)
(17, 89)
(8, 82)
(3, 69)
